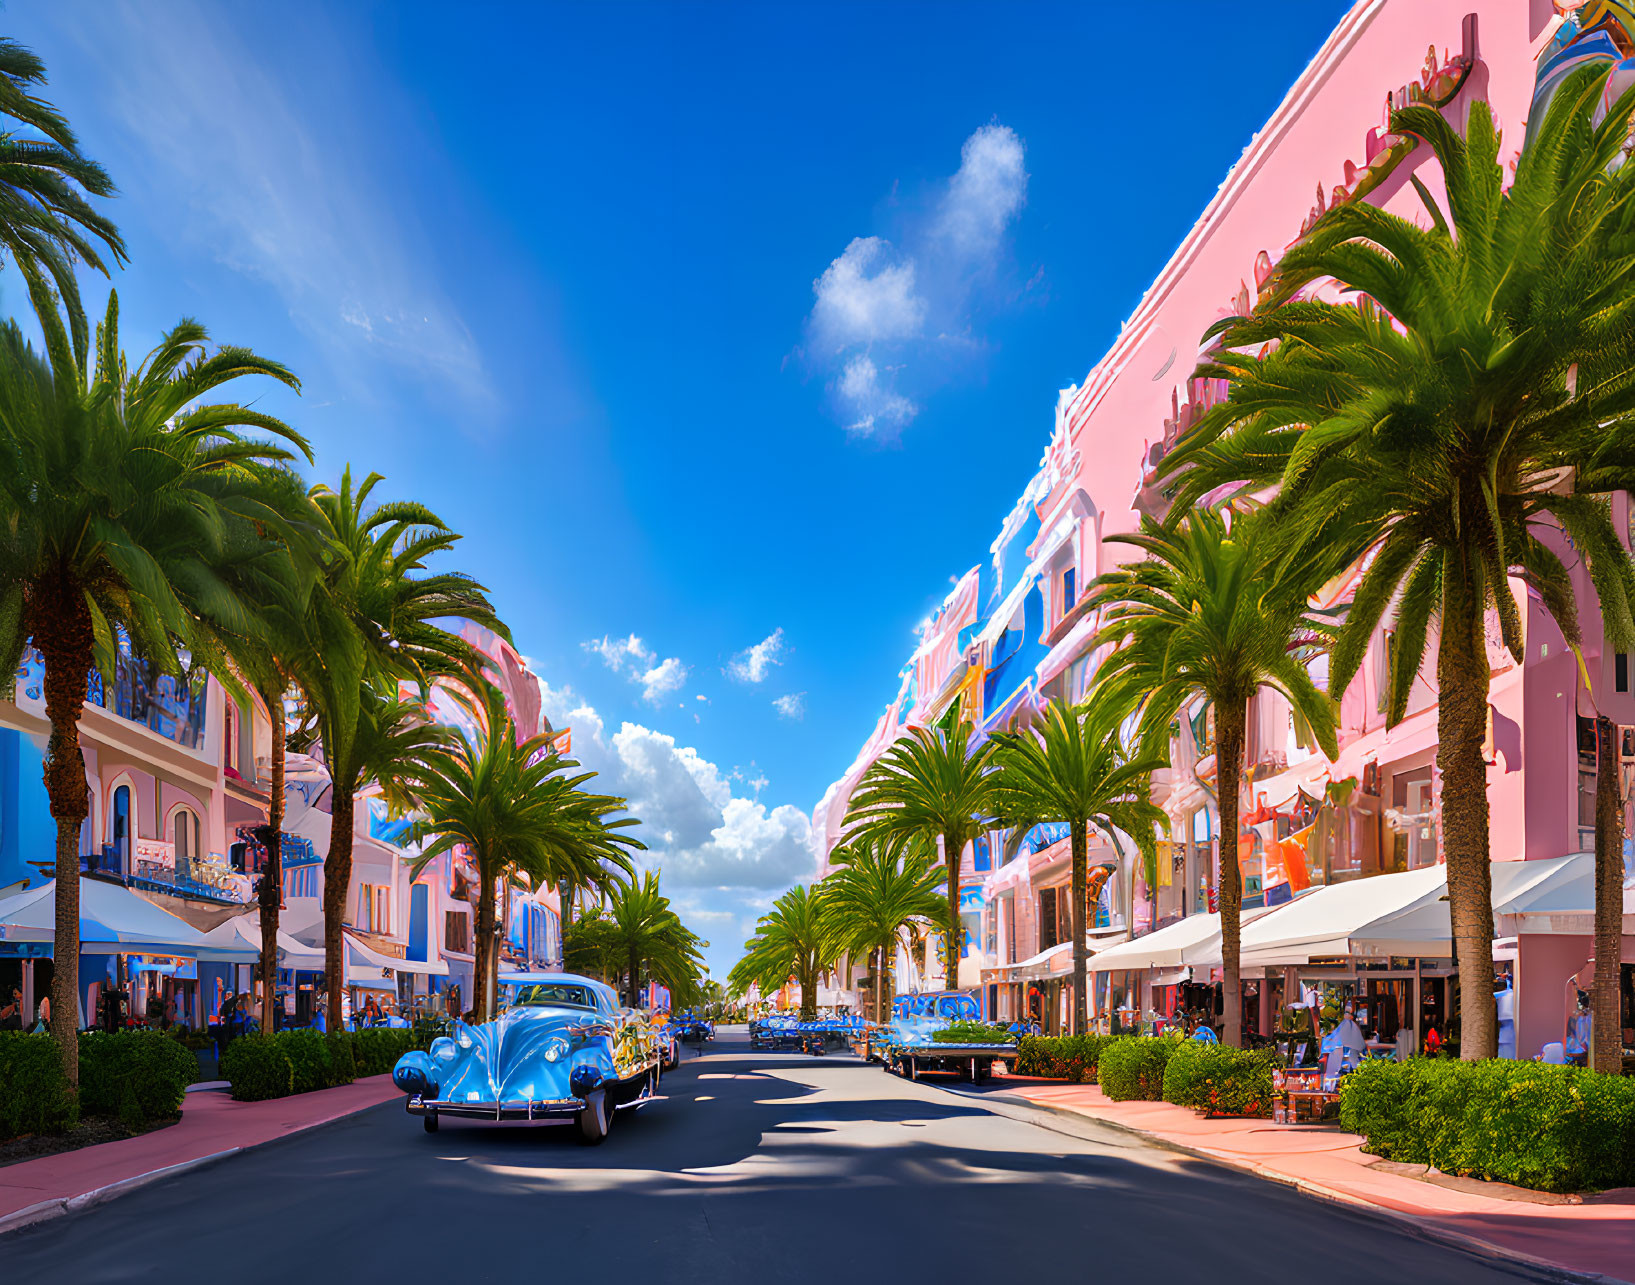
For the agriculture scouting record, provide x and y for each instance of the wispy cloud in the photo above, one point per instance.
(792, 706)
(633, 659)
(275, 186)
(881, 309)
(754, 663)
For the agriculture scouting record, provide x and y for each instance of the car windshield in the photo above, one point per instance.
(543, 993)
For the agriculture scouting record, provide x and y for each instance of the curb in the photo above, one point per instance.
(58, 1206)
(1427, 1228)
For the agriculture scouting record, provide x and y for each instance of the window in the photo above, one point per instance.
(457, 931)
(1047, 918)
(374, 908)
(119, 827)
(229, 739)
(1069, 586)
(1620, 671)
(184, 833)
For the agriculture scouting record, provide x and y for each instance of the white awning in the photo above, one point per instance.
(113, 920)
(1359, 917)
(1193, 940)
(364, 959)
(1059, 958)
(245, 931)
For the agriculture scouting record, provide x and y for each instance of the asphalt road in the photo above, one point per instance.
(755, 1167)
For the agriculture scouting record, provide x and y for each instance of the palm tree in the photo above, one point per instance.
(1474, 406)
(371, 620)
(1209, 612)
(516, 812)
(791, 940)
(646, 931)
(931, 784)
(1073, 768)
(45, 219)
(118, 491)
(877, 891)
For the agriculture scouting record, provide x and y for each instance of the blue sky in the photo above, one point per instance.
(732, 330)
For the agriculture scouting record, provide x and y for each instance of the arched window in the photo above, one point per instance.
(229, 738)
(185, 835)
(119, 828)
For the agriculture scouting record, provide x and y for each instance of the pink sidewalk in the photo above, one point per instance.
(1597, 1236)
(212, 1123)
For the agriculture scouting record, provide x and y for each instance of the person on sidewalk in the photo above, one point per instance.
(11, 1016)
(42, 1016)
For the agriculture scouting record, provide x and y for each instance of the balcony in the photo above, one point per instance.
(158, 869)
(139, 693)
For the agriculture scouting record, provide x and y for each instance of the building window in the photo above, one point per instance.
(375, 908)
(1047, 919)
(1070, 579)
(229, 739)
(185, 835)
(119, 828)
(1620, 671)
(457, 931)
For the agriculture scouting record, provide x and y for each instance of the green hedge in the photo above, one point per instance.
(1060, 1057)
(274, 1066)
(34, 1095)
(1552, 1128)
(378, 1049)
(972, 1033)
(1131, 1067)
(139, 1076)
(1215, 1077)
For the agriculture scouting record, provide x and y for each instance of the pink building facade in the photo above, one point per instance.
(1013, 634)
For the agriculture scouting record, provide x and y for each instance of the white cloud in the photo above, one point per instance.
(891, 321)
(870, 405)
(792, 706)
(663, 678)
(700, 833)
(863, 297)
(621, 655)
(753, 663)
(988, 191)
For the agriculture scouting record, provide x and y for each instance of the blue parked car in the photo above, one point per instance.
(565, 1051)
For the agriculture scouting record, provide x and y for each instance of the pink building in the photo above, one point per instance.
(1013, 635)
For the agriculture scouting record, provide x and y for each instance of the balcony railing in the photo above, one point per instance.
(196, 880)
(139, 693)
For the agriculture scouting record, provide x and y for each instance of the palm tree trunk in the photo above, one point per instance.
(1079, 843)
(337, 880)
(808, 994)
(1606, 1050)
(62, 632)
(1232, 716)
(272, 877)
(880, 984)
(635, 975)
(486, 948)
(1462, 674)
(953, 852)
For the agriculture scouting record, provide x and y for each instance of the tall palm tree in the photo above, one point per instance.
(45, 218)
(1209, 612)
(1074, 768)
(118, 490)
(1474, 406)
(931, 784)
(648, 933)
(372, 619)
(517, 811)
(791, 940)
(874, 894)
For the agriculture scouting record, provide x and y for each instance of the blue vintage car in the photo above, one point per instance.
(915, 1017)
(564, 1051)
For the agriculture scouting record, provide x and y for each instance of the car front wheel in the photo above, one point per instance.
(595, 1119)
(429, 1120)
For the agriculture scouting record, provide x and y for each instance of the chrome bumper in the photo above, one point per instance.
(546, 1109)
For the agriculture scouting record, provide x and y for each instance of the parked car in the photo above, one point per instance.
(564, 1051)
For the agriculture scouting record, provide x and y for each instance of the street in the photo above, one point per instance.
(755, 1167)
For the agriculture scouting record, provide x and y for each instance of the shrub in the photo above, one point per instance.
(972, 1033)
(34, 1095)
(275, 1066)
(1060, 1057)
(1131, 1067)
(139, 1076)
(1216, 1077)
(378, 1050)
(1553, 1128)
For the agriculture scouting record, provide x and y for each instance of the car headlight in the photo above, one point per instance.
(556, 1048)
(442, 1048)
